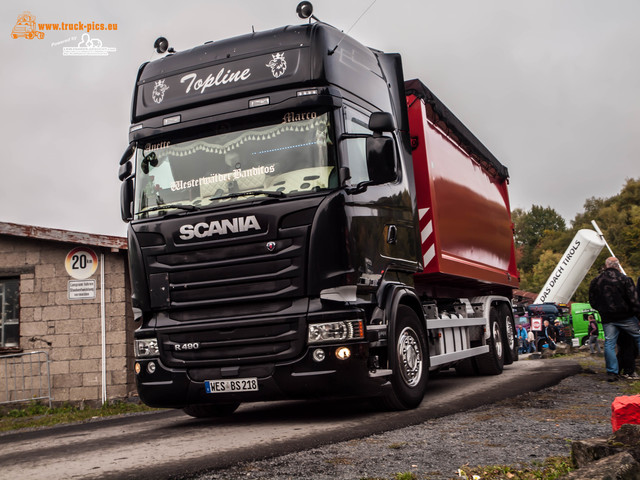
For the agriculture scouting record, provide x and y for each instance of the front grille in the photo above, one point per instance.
(235, 273)
(236, 343)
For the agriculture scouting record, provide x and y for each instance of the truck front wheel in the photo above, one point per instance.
(211, 410)
(409, 362)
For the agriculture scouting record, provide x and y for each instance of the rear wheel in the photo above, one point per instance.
(211, 410)
(492, 363)
(511, 352)
(409, 362)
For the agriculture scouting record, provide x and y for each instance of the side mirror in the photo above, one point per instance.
(381, 122)
(126, 200)
(381, 160)
(128, 153)
(125, 170)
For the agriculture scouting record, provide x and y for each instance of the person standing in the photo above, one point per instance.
(522, 339)
(531, 338)
(594, 331)
(615, 296)
(558, 330)
(546, 336)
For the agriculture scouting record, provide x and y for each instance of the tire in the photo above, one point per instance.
(492, 362)
(211, 410)
(511, 352)
(409, 361)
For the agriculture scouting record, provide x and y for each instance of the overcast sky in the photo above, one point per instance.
(551, 87)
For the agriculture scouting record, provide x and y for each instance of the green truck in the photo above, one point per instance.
(579, 314)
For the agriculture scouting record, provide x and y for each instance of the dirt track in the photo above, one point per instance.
(516, 431)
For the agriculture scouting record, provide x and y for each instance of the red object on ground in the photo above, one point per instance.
(625, 409)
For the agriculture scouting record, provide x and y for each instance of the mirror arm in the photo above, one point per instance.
(359, 188)
(348, 136)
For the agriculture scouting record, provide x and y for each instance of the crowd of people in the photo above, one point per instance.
(615, 296)
(529, 342)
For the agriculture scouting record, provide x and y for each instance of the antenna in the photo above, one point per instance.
(331, 52)
(599, 232)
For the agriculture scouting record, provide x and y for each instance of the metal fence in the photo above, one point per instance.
(25, 377)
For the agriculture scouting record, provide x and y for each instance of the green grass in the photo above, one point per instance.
(551, 469)
(633, 388)
(405, 476)
(35, 414)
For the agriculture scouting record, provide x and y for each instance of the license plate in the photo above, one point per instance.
(232, 385)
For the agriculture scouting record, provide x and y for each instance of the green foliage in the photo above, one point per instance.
(539, 237)
(529, 229)
(405, 476)
(551, 469)
(541, 270)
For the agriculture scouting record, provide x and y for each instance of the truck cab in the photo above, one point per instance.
(280, 245)
(263, 195)
(580, 323)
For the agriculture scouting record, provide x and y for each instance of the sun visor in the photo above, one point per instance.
(220, 80)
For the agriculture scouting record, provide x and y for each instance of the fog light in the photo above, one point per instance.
(318, 355)
(151, 367)
(137, 368)
(343, 353)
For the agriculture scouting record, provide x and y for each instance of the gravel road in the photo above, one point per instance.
(516, 431)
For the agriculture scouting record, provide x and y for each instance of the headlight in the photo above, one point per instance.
(146, 347)
(336, 331)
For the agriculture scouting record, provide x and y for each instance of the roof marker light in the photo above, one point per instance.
(171, 120)
(304, 93)
(258, 102)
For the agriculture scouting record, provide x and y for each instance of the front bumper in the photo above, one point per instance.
(300, 379)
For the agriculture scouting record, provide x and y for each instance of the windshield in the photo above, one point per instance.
(288, 155)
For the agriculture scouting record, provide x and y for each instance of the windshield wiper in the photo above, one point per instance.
(178, 206)
(268, 193)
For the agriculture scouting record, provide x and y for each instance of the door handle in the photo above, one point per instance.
(392, 234)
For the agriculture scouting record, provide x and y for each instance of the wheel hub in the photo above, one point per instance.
(410, 357)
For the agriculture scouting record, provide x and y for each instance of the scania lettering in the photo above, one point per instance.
(222, 227)
(308, 224)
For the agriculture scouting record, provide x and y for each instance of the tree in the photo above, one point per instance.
(540, 272)
(529, 229)
(539, 235)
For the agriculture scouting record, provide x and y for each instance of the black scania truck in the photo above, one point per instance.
(274, 232)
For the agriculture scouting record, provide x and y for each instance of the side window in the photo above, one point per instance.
(9, 310)
(356, 122)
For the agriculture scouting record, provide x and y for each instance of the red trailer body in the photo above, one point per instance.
(463, 204)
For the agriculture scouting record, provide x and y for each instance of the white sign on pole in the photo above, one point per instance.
(536, 324)
(81, 289)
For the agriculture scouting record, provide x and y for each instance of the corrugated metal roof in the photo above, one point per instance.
(54, 234)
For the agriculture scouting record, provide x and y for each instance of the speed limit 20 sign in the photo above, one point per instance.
(81, 263)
